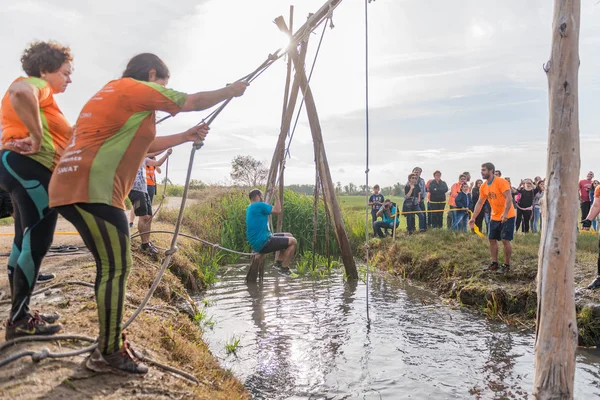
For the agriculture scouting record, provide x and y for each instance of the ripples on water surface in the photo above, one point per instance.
(303, 338)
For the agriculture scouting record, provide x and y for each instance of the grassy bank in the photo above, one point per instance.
(453, 264)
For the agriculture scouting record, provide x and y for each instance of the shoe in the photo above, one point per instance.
(285, 271)
(48, 318)
(492, 267)
(153, 246)
(504, 268)
(29, 326)
(119, 361)
(149, 249)
(43, 278)
(595, 284)
(275, 266)
(130, 225)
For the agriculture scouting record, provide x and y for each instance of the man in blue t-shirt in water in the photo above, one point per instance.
(260, 237)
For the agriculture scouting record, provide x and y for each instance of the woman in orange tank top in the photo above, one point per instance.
(34, 135)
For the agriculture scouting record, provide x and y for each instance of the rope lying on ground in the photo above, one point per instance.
(46, 353)
(206, 242)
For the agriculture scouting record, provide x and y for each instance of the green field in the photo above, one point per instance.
(359, 202)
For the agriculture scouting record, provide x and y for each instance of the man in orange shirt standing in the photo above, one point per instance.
(497, 192)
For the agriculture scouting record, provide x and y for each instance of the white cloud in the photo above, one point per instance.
(452, 84)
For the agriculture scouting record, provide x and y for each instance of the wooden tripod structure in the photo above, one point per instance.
(275, 180)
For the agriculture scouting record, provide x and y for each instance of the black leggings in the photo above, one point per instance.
(105, 231)
(525, 216)
(27, 182)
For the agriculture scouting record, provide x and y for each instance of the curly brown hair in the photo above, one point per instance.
(44, 57)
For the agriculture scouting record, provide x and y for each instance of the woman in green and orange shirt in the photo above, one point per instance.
(34, 135)
(114, 132)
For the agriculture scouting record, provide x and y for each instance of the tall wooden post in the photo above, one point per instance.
(279, 152)
(556, 337)
(321, 161)
(283, 119)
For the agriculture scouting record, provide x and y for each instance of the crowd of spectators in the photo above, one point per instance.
(428, 201)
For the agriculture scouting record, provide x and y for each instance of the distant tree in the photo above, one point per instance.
(338, 188)
(364, 189)
(196, 184)
(398, 189)
(350, 189)
(302, 189)
(387, 190)
(248, 171)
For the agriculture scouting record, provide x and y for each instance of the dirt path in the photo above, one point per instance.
(164, 334)
(175, 202)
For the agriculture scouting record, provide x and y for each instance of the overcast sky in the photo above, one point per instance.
(453, 84)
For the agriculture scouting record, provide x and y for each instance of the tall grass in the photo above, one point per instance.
(221, 218)
(297, 219)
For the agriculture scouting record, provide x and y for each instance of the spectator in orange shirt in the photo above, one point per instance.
(497, 192)
(454, 190)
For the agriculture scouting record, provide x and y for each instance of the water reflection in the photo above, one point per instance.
(309, 339)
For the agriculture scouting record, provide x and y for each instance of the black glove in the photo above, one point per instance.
(586, 223)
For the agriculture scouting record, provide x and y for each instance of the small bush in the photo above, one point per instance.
(175, 191)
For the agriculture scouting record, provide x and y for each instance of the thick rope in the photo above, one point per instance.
(203, 241)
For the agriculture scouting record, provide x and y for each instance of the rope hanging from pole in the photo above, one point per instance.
(367, 156)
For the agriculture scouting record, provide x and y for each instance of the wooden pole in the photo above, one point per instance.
(283, 114)
(315, 218)
(556, 336)
(322, 164)
(327, 225)
(279, 152)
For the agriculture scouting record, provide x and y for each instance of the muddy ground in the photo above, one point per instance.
(162, 332)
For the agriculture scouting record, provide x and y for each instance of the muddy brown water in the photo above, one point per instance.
(309, 339)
